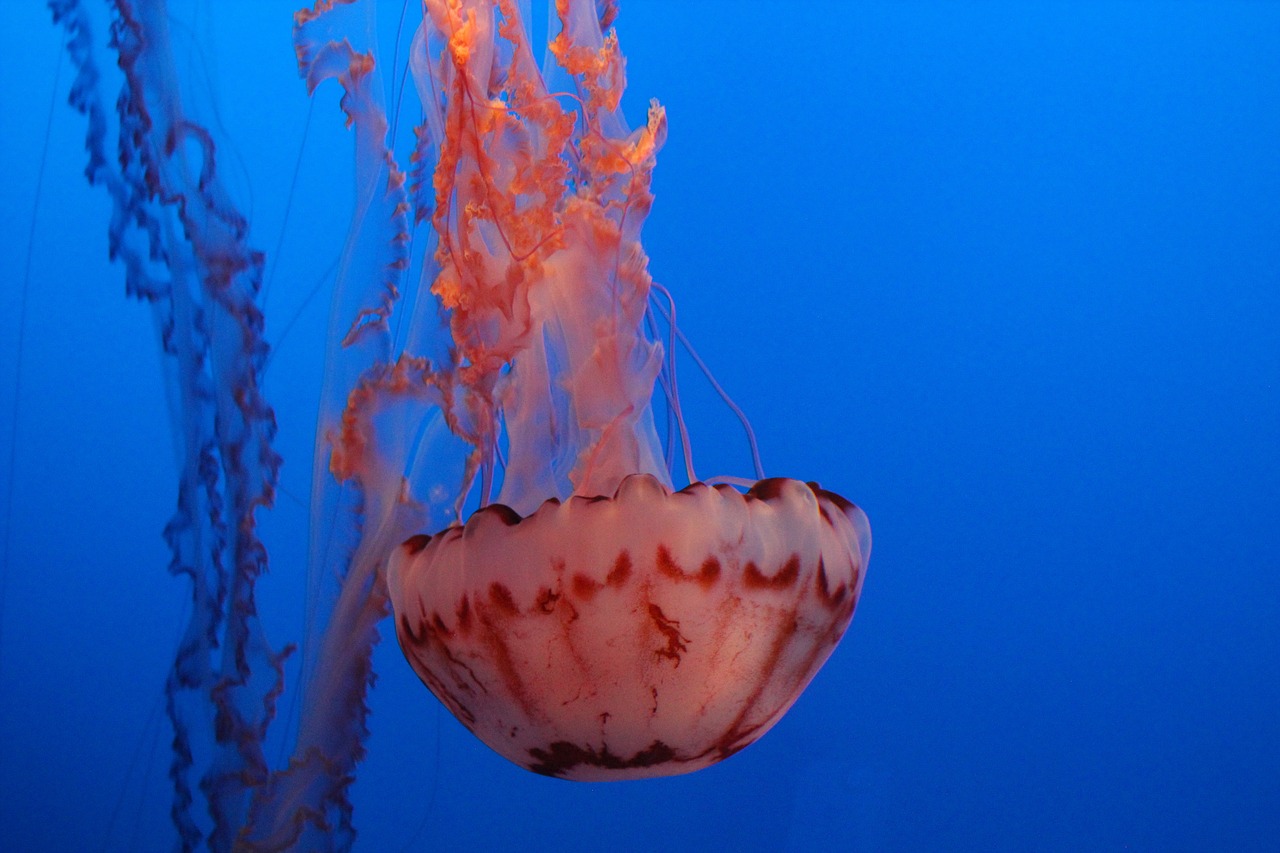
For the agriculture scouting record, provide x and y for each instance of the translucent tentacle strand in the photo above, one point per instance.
(168, 204)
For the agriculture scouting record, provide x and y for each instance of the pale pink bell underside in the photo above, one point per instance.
(648, 634)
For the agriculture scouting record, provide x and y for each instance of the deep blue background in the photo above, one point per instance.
(1006, 274)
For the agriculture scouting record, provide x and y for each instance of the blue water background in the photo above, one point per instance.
(1005, 274)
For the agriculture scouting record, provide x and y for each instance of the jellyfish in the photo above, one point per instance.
(490, 472)
(589, 622)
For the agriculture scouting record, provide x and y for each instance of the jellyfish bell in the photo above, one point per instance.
(649, 633)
